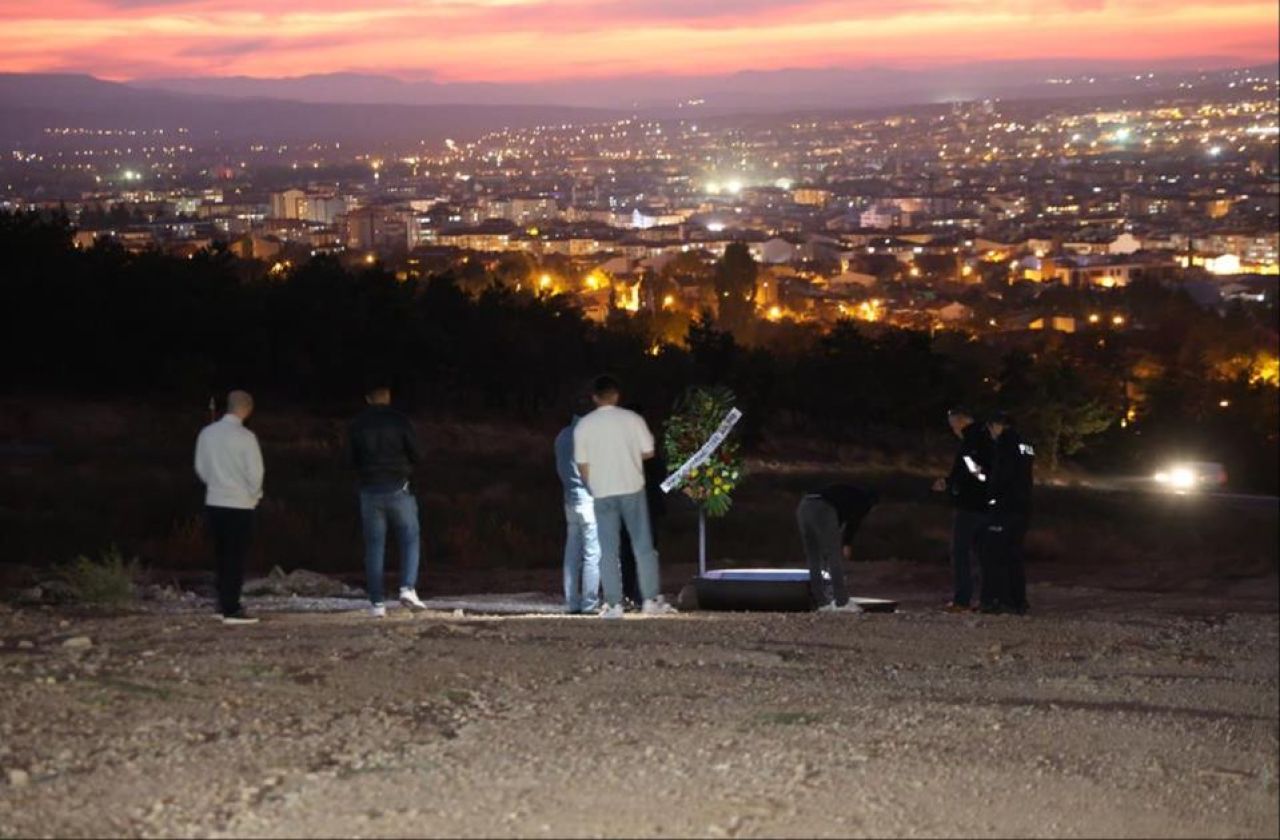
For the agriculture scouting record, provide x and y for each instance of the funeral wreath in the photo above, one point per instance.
(698, 413)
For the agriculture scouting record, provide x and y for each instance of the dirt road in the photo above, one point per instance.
(1104, 714)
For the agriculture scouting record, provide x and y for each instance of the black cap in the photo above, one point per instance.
(1002, 418)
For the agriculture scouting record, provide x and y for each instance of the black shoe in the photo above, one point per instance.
(239, 617)
(991, 609)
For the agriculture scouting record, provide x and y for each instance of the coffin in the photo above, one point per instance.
(768, 590)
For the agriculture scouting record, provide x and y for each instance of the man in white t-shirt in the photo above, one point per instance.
(610, 446)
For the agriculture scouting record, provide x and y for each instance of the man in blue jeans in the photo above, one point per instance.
(582, 543)
(384, 449)
(610, 446)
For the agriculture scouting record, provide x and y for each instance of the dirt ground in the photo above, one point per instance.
(1105, 713)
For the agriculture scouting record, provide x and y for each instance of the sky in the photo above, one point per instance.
(542, 40)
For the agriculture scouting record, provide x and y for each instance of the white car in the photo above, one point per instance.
(1192, 476)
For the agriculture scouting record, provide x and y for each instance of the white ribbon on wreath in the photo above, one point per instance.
(702, 455)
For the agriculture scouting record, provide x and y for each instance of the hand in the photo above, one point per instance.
(940, 486)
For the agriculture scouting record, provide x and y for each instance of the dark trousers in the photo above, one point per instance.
(823, 541)
(1004, 579)
(967, 531)
(232, 532)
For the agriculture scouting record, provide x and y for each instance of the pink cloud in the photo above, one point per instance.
(504, 40)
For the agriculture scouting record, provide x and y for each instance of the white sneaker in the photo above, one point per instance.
(378, 611)
(831, 607)
(411, 600)
(612, 612)
(657, 606)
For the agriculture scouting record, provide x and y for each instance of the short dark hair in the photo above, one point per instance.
(960, 411)
(1001, 418)
(605, 385)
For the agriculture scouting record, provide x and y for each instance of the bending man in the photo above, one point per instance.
(828, 520)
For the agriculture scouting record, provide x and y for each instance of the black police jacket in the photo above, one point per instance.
(1012, 475)
(967, 483)
(383, 446)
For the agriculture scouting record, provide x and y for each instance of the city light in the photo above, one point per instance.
(871, 310)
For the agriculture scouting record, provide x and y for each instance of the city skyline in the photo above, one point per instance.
(563, 41)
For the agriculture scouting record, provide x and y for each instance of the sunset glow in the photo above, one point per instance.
(529, 40)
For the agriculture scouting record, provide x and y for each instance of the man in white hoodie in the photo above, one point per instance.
(229, 463)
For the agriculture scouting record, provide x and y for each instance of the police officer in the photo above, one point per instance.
(1004, 583)
(966, 490)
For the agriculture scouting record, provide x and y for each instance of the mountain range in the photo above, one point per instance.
(751, 90)
(346, 107)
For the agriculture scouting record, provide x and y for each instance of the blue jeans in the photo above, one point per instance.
(611, 513)
(581, 557)
(397, 507)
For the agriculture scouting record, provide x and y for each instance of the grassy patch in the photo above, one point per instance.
(263, 671)
(109, 580)
(458, 696)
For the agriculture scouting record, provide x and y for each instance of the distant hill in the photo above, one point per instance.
(369, 109)
(769, 90)
(30, 103)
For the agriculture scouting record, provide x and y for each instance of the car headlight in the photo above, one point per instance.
(1177, 478)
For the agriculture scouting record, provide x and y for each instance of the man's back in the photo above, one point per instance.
(1012, 473)
(384, 446)
(229, 462)
(613, 443)
(575, 490)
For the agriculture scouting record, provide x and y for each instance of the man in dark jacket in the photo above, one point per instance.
(384, 449)
(1004, 583)
(966, 489)
(828, 521)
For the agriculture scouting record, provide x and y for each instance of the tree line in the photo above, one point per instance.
(103, 323)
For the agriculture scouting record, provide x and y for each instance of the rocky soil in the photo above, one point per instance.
(1103, 714)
